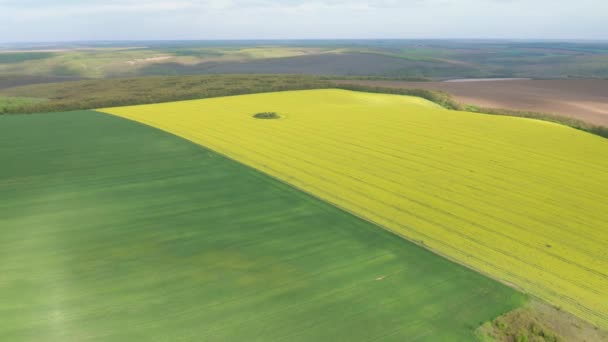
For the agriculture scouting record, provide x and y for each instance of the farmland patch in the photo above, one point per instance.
(114, 231)
(524, 201)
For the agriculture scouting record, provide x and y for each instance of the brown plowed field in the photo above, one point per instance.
(583, 99)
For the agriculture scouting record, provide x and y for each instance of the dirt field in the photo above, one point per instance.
(583, 99)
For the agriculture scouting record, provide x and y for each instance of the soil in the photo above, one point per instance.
(586, 100)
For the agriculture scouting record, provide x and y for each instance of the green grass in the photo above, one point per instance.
(113, 231)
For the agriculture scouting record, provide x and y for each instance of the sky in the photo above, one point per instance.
(73, 20)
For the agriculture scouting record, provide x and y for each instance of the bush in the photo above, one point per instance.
(266, 115)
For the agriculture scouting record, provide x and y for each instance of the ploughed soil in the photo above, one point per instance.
(586, 100)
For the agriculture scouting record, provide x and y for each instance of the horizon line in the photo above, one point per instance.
(304, 39)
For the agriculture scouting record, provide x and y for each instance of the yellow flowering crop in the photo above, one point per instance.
(523, 201)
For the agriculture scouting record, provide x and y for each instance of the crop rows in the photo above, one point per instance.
(523, 201)
(114, 231)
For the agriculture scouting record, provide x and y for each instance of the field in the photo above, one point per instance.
(114, 231)
(397, 59)
(523, 201)
(585, 100)
(10, 81)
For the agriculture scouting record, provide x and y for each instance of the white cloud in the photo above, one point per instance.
(240, 19)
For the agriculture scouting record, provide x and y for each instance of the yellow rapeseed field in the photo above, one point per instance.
(523, 201)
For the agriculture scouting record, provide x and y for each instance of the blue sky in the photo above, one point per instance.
(60, 20)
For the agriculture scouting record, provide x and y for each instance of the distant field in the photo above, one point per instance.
(397, 59)
(10, 81)
(524, 201)
(131, 61)
(586, 100)
(114, 231)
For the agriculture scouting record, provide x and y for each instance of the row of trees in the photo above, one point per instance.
(77, 95)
